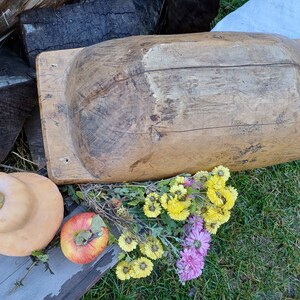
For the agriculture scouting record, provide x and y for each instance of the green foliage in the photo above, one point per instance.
(82, 237)
(40, 255)
(227, 7)
(97, 224)
(72, 192)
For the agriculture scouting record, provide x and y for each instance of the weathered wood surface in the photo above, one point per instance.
(154, 106)
(70, 281)
(10, 10)
(33, 132)
(18, 95)
(86, 23)
(188, 16)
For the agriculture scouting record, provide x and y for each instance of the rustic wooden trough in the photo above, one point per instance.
(148, 107)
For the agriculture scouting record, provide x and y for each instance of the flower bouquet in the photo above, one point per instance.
(170, 220)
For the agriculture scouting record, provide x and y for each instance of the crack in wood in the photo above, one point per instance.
(102, 90)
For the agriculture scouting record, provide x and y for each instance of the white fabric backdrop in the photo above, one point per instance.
(268, 16)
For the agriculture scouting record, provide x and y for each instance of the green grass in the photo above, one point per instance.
(256, 255)
(226, 7)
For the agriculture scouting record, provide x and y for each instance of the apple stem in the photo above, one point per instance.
(94, 236)
(2, 200)
(84, 237)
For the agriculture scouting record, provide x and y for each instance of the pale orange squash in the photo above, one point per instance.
(31, 212)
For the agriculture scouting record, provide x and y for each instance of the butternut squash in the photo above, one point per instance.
(31, 212)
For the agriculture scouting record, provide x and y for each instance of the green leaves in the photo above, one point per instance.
(163, 186)
(135, 202)
(83, 237)
(170, 225)
(97, 224)
(95, 231)
(40, 255)
(130, 192)
(111, 238)
(79, 194)
(71, 191)
(121, 256)
(156, 231)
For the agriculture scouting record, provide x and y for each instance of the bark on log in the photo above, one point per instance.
(80, 25)
(154, 106)
(18, 95)
(10, 10)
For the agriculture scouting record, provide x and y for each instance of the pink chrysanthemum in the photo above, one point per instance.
(196, 185)
(188, 182)
(199, 240)
(196, 222)
(190, 265)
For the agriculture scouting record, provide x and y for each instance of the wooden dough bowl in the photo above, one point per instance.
(149, 107)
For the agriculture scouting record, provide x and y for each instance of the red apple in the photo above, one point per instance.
(83, 237)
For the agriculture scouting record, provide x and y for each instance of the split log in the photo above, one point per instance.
(87, 23)
(188, 16)
(10, 10)
(33, 132)
(18, 95)
(154, 106)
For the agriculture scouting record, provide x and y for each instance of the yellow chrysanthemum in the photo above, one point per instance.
(123, 212)
(178, 190)
(233, 191)
(177, 210)
(186, 201)
(212, 227)
(214, 197)
(216, 215)
(202, 177)
(123, 270)
(179, 179)
(127, 241)
(164, 200)
(142, 267)
(216, 182)
(152, 248)
(174, 205)
(152, 197)
(152, 210)
(142, 247)
(228, 199)
(221, 171)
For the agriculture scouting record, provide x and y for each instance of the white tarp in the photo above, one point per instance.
(268, 16)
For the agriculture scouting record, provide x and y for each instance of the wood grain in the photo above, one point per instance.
(150, 107)
(18, 95)
(87, 23)
(33, 131)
